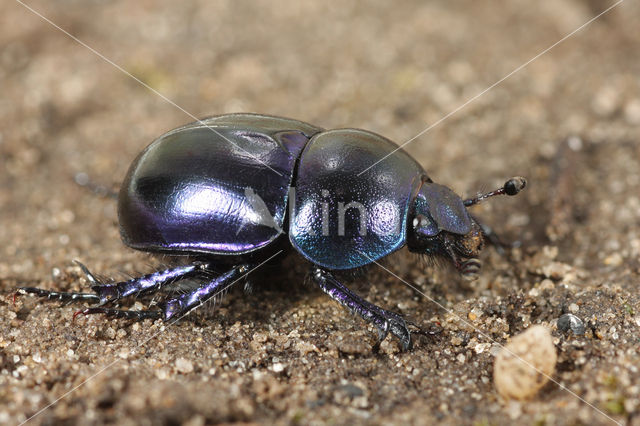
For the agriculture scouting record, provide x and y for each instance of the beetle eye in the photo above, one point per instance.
(425, 226)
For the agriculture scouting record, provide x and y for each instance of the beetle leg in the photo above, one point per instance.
(59, 296)
(385, 321)
(179, 305)
(184, 303)
(145, 284)
(105, 293)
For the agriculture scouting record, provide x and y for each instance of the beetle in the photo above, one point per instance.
(235, 190)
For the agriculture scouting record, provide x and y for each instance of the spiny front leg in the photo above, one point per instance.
(385, 321)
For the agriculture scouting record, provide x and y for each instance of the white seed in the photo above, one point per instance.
(524, 365)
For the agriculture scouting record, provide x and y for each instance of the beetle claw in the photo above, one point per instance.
(398, 328)
(393, 323)
(383, 332)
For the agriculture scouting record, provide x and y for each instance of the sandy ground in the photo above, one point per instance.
(569, 122)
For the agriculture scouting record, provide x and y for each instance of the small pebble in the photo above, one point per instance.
(481, 347)
(110, 333)
(456, 341)
(575, 143)
(614, 260)
(556, 270)
(524, 365)
(162, 374)
(278, 367)
(547, 284)
(56, 273)
(573, 308)
(184, 366)
(606, 101)
(351, 390)
(571, 322)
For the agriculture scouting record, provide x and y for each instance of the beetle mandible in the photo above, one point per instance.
(221, 191)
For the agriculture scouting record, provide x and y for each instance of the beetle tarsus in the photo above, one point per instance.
(58, 295)
(385, 321)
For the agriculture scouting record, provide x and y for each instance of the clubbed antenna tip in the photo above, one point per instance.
(510, 187)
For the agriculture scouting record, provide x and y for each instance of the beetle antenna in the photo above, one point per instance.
(510, 187)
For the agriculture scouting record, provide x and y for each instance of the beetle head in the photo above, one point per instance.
(442, 226)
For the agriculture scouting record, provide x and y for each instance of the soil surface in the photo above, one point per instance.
(285, 353)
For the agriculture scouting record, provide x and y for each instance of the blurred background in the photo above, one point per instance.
(569, 121)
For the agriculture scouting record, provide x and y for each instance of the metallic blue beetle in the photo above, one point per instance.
(238, 189)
